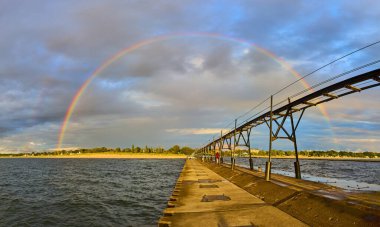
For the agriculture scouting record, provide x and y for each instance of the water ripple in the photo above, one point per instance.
(85, 192)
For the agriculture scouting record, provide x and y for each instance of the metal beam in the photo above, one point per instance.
(353, 88)
(327, 91)
(330, 95)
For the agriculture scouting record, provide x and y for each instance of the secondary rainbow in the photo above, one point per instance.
(166, 37)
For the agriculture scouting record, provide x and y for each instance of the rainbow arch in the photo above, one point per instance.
(166, 37)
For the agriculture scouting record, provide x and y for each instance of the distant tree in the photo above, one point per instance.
(159, 150)
(289, 153)
(369, 154)
(187, 150)
(175, 149)
(332, 153)
(343, 154)
(127, 150)
(262, 153)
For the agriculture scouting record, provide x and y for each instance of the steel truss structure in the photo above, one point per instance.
(277, 119)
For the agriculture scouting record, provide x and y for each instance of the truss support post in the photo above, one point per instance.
(268, 163)
(214, 153)
(249, 148)
(232, 157)
(208, 153)
(221, 147)
(214, 149)
(297, 167)
(229, 144)
(232, 160)
(234, 149)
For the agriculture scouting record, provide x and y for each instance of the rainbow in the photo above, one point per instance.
(166, 37)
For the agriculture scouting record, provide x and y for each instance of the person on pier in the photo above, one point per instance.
(217, 156)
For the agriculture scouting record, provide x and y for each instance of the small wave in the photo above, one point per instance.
(85, 192)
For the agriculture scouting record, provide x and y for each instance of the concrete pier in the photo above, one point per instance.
(204, 198)
(215, 195)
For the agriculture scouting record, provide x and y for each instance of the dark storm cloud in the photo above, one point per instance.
(50, 48)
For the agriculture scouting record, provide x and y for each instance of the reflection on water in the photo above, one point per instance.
(351, 175)
(85, 192)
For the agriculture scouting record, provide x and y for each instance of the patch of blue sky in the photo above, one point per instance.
(353, 124)
(111, 84)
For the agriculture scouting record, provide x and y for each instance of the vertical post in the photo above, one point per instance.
(209, 153)
(233, 151)
(214, 148)
(249, 149)
(206, 155)
(221, 146)
(268, 163)
(297, 167)
(229, 144)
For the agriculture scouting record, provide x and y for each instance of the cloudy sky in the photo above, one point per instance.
(203, 64)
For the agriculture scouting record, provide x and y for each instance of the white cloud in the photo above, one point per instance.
(196, 131)
(358, 140)
(197, 62)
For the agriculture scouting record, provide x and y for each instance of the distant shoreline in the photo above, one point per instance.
(107, 155)
(121, 155)
(323, 158)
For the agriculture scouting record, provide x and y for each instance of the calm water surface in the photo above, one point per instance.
(85, 192)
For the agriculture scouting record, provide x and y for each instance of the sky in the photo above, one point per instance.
(188, 70)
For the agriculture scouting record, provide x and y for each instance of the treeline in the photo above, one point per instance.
(133, 149)
(176, 149)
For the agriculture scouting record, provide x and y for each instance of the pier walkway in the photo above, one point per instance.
(203, 198)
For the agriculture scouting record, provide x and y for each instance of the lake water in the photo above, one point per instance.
(85, 192)
(350, 175)
(128, 192)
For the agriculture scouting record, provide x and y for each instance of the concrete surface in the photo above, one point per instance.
(197, 183)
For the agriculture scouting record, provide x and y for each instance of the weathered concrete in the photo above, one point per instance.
(315, 204)
(188, 205)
